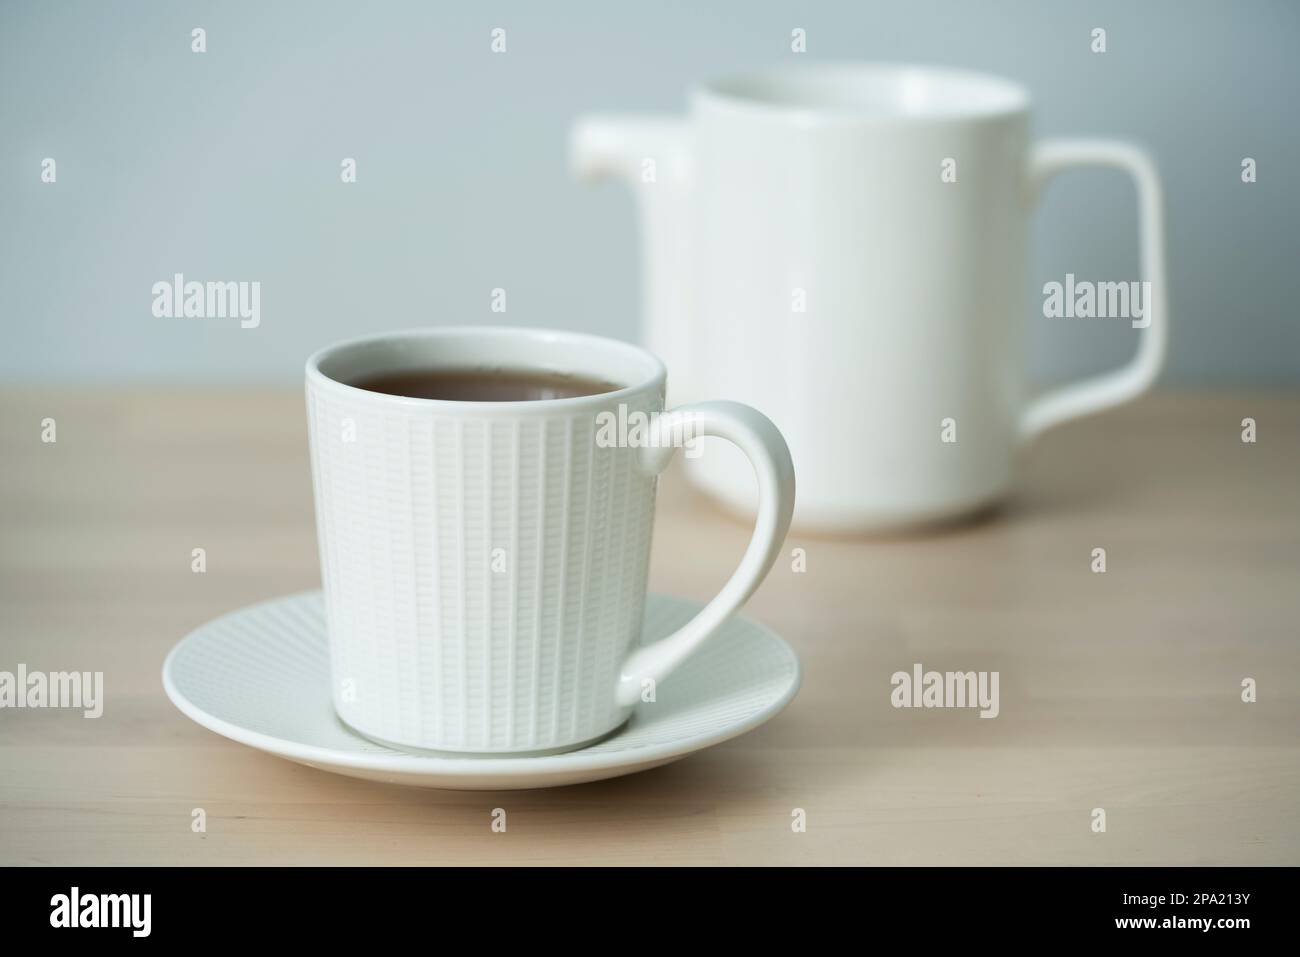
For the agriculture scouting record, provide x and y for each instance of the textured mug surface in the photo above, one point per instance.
(484, 563)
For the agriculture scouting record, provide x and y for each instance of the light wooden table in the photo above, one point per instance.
(1118, 690)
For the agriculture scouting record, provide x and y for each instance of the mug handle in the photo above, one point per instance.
(755, 435)
(1111, 388)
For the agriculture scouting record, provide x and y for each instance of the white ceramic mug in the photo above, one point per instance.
(846, 246)
(485, 563)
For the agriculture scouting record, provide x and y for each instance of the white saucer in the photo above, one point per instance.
(260, 676)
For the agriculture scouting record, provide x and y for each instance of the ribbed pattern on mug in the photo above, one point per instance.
(484, 576)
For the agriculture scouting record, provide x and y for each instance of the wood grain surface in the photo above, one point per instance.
(1119, 691)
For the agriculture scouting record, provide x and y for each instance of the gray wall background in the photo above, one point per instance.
(225, 166)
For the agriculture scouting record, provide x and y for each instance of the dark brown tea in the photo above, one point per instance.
(483, 385)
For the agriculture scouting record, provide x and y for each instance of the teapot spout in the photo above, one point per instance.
(652, 156)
